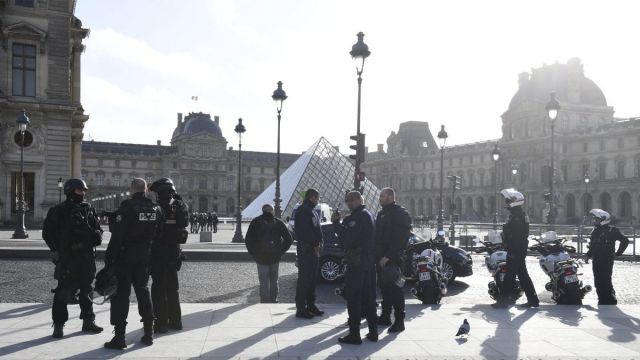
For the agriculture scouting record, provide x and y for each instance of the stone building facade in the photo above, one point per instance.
(589, 140)
(198, 160)
(40, 53)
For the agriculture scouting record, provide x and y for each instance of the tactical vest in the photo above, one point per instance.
(145, 222)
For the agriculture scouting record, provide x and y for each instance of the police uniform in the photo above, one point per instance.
(72, 230)
(393, 226)
(138, 224)
(358, 233)
(309, 236)
(515, 237)
(602, 250)
(166, 262)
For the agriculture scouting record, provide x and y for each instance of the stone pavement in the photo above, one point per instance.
(239, 331)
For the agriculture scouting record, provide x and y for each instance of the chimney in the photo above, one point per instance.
(380, 148)
(179, 119)
(523, 78)
(216, 119)
(159, 142)
(230, 148)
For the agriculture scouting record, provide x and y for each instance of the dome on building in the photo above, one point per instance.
(197, 123)
(567, 80)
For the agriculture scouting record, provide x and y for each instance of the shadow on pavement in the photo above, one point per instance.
(613, 316)
(25, 310)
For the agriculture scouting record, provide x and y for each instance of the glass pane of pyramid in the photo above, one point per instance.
(321, 167)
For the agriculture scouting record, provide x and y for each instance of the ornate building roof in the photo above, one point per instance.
(196, 123)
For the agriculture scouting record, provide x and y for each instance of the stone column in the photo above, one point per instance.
(76, 152)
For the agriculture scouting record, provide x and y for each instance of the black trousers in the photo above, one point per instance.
(164, 293)
(392, 296)
(59, 312)
(602, 272)
(359, 287)
(136, 275)
(517, 266)
(215, 227)
(306, 285)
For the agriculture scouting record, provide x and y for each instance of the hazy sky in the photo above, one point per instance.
(445, 62)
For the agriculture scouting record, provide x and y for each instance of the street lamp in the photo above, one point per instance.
(60, 185)
(237, 237)
(20, 233)
(514, 172)
(359, 52)
(495, 155)
(586, 192)
(442, 140)
(553, 107)
(279, 96)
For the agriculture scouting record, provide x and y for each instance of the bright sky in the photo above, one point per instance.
(445, 62)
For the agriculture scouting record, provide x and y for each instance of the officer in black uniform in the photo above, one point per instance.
(166, 258)
(602, 248)
(357, 232)
(138, 223)
(308, 234)
(393, 226)
(72, 231)
(515, 239)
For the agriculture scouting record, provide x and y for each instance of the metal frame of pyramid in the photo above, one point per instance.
(321, 167)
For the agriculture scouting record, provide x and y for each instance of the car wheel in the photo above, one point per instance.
(329, 270)
(449, 271)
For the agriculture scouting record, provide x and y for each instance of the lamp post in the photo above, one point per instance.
(455, 185)
(495, 155)
(586, 192)
(279, 96)
(359, 52)
(60, 185)
(552, 112)
(514, 173)
(442, 139)
(20, 232)
(237, 237)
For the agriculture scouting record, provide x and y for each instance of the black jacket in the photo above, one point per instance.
(357, 232)
(307, 228)
(515, 232)
(603, 241)
(267, 239)
(174, 232)
(393, 227)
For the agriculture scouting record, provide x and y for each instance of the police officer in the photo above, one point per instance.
(357, 232)
(309, 236)
(166, 258)
(602, 248)
(515, 239)
(72, 231)
(138, 223)
(393, 226)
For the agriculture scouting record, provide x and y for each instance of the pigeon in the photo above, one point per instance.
(464, 328)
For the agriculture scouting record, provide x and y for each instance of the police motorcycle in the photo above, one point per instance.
(496, 262)
(427, 262)
(555, 260)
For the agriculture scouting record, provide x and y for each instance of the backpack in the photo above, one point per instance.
(269, 240)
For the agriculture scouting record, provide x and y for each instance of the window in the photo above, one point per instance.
(116, 180)
(203, 183)
(585, 169)
(621, 143)
(585, 147)
(564, 148)
(602, 145)
(24, 70)
(25, 3)
(149, 179)
(602, 169)
(565, 172)
(620, 169)
(100, 179)
(637, 167)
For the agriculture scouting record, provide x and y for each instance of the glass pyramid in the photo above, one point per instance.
(321, 167)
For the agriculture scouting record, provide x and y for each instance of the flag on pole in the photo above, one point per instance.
(194, 98)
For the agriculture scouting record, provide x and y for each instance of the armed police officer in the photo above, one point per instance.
(138, 223)
(308, 234)
(393, 226)
(72, 231)
(515, 239)
(166, 257)
(602, 248)
(357, 232)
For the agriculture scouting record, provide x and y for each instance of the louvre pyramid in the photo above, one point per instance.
(321, 167)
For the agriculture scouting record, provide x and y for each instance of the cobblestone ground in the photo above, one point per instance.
(31, 280)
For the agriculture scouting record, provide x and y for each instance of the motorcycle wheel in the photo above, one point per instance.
(571, 295)
(428, 293)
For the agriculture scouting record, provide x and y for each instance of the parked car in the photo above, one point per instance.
(457, 262)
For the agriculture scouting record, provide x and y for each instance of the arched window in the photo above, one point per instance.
(625, 205)
(571, 207)
(605, 202)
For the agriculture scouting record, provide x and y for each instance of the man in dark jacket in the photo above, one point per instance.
(267, 239)
(309, 237)
(166, 257)
(72, 231)
(138, 223)
(215, 222)
(515, 239)
(602, 248)
(393, 226)
(357, 232)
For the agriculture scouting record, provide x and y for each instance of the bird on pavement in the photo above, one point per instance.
(464, 328)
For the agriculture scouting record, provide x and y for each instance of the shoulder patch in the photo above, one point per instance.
(352, 223)
(118, 218)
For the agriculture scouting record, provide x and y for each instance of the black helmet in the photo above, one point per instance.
(162, 185)
(106, 286)
(73, 184)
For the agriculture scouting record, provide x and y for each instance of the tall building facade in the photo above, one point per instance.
(589, 142)
(40, 54)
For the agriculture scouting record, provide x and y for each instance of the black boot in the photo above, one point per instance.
(313, 309)
(398, 324)
(373, 333)
(160, 328)
(89, 325)
(117, 342)
(353, 337)
(175, 325)
(58, 330)
(385, 318)
(147, 338)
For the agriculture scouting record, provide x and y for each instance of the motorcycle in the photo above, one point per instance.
(496, 263)
(555, 260)
(430, 284)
